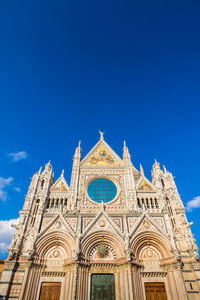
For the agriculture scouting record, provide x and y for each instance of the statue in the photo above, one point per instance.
(101, 135)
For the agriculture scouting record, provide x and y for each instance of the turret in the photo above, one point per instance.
(75, 175)
(156, 172)
(31, 214)
(126, 155)
(129, 179)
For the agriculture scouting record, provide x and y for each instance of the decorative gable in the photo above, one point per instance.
(102, 156)
(145, 186)
(58, 224)
(146, 224)
(60, 185)
(104, 222)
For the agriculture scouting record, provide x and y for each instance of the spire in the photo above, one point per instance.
(156, 164)
(156, 168)
(39, 172)
(78, 149)
(126, 154)
(77, 154)
(164, 169)
(101, 135)
(48, 165)
(141, 170)
(62, 174)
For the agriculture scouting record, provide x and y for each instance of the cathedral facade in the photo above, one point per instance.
(110, 235)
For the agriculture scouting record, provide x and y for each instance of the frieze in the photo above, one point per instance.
(53, 274)
(103, 268)
(153, 274)
(59, 195)
(98, 171)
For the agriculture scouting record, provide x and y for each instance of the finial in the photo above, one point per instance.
(164, 169)
(141, 170)
(101, 134)
(48, 164)
(79, 144)
(40, 170)
(156, 161)
(124, 144)
(62, 175)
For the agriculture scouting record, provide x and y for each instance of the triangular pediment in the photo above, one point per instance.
(58, 224)
(102, 222)
(60, 185)
(101, 155)
(146, 224)
(145, 186)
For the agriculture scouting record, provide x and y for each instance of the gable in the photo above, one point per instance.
(146, 224)
(102, 221)
(101, 156)
(144, 186)
(60, 186)
(58, 224)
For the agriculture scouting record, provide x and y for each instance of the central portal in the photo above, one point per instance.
(102, 287)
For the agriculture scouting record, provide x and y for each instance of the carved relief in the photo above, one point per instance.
(103, 243)
(55, 256)
(131, 222)
(150, 259)
(146, 224)
(102, 250)
(159, 222)
(72, 222)
(118, 222)
(86, 222)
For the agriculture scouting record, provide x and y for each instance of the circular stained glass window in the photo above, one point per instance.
(102, 190)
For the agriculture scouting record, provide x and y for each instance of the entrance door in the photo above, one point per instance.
(102, 287)
(155, 291)
(50, 291)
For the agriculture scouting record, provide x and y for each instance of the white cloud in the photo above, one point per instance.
(194, 203)
(6, 234)
(17, 189)
(4, 182)
(16, 156)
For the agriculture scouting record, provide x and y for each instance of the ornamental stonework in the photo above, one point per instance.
(102, 250)
(120, 227)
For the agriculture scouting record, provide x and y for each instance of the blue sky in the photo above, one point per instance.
(70, 68)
